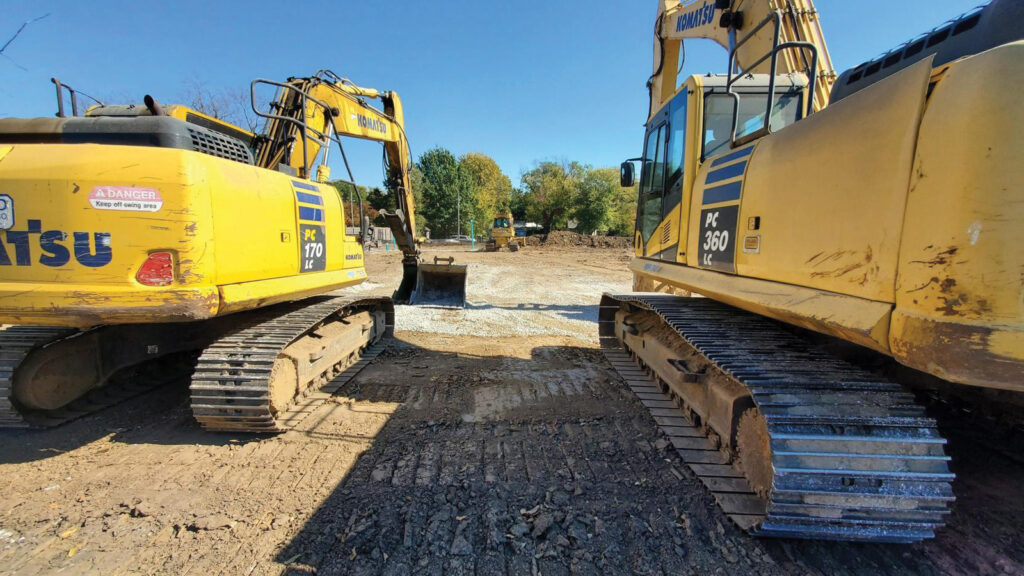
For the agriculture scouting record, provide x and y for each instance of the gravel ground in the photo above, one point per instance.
(489, 440)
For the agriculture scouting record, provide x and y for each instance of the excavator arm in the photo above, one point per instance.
(747, 29)
(308, 113)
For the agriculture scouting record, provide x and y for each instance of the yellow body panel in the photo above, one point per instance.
(831, 207)
(961, 270)
(854, 319)
(892, 219)
(240, 236)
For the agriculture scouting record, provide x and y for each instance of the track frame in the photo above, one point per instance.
(853, 457)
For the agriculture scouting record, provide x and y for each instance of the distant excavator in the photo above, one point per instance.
(136, 235)
(881, 208)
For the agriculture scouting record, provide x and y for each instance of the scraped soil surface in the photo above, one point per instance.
(565, 238)
(492, 439)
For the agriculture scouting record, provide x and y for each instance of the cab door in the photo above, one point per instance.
(674, 211)
(650, 205)
(660, 213)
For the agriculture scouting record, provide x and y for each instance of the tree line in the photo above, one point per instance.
(453, 191)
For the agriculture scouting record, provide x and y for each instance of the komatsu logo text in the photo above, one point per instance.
(694, 18)
(368, 123)
(53, 247)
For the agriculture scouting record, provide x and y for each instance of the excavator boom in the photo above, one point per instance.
(308, 114)
(751, 29)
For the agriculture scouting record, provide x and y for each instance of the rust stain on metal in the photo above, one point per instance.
(941, 259)
(955, 303)
(87, 308)
(932, 280)
(863, 264)
(813, 258)
(927, 343)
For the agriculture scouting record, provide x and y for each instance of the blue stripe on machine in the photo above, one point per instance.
(309, 198)
(723, 193)
(312, 214)
(304, 186)
(726, 173)
(734, 156)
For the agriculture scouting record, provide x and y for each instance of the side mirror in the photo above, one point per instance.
(626, 176)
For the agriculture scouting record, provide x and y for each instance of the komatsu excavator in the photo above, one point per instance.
(134, 236)
(881, 208)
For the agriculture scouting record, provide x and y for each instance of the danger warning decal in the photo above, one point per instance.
(128, 198)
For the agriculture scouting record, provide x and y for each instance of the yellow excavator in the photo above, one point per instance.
(881, 208)
(134, 236)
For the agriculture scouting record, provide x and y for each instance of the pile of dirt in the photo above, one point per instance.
(565, 238)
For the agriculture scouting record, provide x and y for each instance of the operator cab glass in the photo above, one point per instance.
(661, 176)
(652, 183)
(718, 110)
(501, 223)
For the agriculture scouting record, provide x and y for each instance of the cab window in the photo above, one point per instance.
(718, 117)
(652, 183)
(501, 223)
(676, 148)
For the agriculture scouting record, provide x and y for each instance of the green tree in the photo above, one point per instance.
(551, 190)
(622, 215)
(491, 187)
(379, 199)
(593, 205)
(518, 204)
(446, 191)
(350, 202)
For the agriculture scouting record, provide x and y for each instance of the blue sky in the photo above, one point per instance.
(520, 81)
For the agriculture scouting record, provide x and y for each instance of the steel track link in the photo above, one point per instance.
(853, 456)
(230, 390)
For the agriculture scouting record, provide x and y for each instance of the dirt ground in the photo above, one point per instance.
(489, 440)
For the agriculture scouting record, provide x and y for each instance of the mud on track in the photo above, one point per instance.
(490, 440)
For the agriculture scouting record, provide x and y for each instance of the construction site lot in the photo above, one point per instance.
(494, 439)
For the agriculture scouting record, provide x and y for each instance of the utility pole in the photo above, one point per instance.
(458, 212)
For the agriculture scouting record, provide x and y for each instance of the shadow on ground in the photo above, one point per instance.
(489, 462)
(159, 416)
(569, 478)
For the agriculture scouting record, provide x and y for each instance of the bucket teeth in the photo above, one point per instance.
(852, 457)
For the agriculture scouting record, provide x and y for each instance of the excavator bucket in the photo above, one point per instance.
(442, 283)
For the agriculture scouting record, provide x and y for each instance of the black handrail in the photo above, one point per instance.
(305, 129)
(775, 18)
(60, 98)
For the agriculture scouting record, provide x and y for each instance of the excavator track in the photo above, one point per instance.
(231, 387)
(848, 456)
(16, 342)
